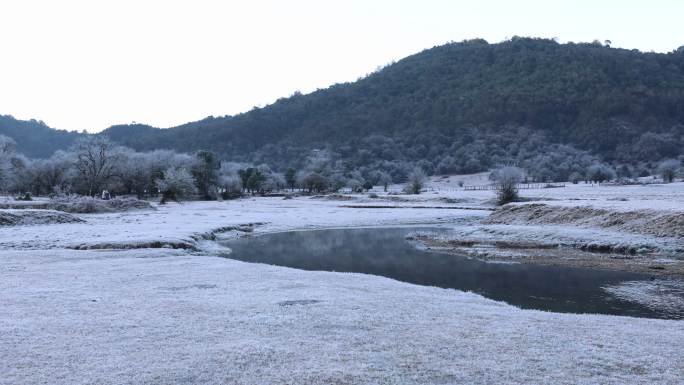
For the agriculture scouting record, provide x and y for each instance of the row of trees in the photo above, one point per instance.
(507, 178)
(599, 172)
(94, 163)
(668, 170)
(470, 151)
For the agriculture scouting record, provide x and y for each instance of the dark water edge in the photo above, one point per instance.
(386, 252)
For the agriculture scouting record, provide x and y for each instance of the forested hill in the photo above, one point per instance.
(34, 138)
(461, 107)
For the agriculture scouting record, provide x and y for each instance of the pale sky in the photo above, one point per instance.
(91, 64)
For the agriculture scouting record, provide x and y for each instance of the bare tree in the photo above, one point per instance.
(97, 161)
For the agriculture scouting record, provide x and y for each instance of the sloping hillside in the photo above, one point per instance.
(462, 107)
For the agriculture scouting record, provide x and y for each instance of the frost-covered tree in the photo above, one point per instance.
(337, 180)
(599, 172)
(205, 172)
(176, 184)
(229, 180)
(6, 174)
(141, 170)
(274, 182)
(48, 176)
(447, 165)
(137, 173)
(314, 182)
(8, 146)
(7, 152)
(231, 186)
(355, 185)
(356, 181)
(291, 178)
(384, 179)
(575, 177)
(252, 179)
(416, 180)
(557, 163)
(624, 172)
(668, 169)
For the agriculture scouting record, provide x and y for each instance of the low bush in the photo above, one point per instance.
(87, 205)
(25, 197)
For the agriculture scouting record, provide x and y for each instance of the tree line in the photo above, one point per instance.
(94, 164)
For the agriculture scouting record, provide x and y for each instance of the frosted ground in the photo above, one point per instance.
(90, 302)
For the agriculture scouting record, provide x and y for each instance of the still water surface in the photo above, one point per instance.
(386, 252)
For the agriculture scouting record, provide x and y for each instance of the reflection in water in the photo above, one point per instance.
(386, 252)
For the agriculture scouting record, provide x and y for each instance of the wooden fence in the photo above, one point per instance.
(520, 186)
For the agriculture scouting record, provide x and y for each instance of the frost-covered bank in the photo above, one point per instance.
(563, 247)
(160, 316)
(662, 224)
(184, 224)
(632, 228)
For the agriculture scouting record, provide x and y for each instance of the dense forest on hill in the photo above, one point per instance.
(34, 138)
(460, 107)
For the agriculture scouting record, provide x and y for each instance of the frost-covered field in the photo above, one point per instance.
(163, 315)
(181, 223)
(632, 197)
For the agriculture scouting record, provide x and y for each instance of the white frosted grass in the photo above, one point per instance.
(666, 197)
(157, 316)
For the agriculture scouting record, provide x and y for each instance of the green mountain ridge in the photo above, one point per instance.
(512, 100)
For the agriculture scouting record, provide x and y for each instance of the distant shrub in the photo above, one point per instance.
(373, 195)
(416, 180)
(507, 179)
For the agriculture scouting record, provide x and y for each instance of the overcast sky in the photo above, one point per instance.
(90, 64)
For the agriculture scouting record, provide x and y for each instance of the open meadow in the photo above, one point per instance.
(152, 296)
